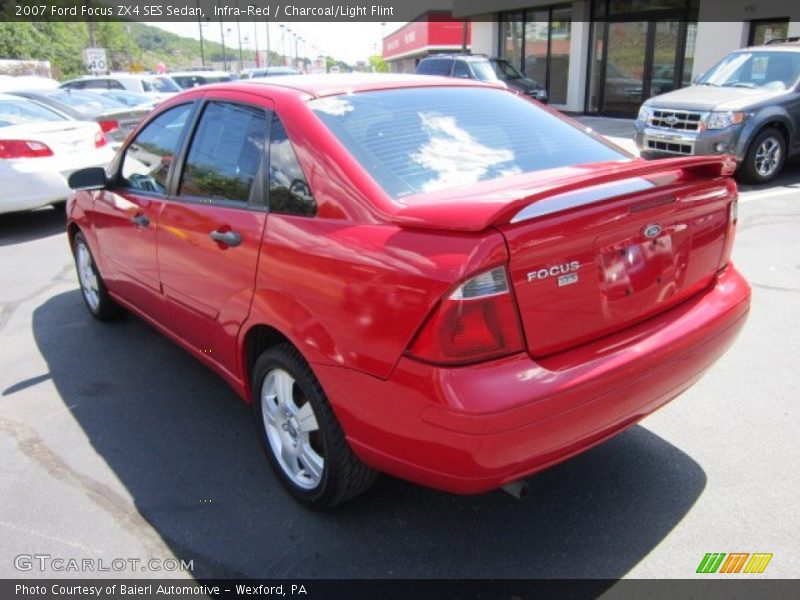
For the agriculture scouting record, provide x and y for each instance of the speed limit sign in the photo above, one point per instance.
(95, 60)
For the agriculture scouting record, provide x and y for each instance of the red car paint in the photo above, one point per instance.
(357, 290)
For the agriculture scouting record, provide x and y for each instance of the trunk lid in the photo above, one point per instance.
(588, 262)
(64, 138)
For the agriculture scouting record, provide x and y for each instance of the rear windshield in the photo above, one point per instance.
(159, 84)
(17, 112)
(427, 139)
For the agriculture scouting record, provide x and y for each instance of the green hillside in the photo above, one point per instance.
(128, 45)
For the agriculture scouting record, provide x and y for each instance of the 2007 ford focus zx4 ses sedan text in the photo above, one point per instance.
(429, 277)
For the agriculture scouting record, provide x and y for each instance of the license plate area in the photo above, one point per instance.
(637, 273)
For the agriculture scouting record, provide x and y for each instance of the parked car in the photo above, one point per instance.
(430, 277)
(476, 66)
(269, 72)
(746, 105)
(158, 87)
(115, 119)
(39, 149)
(190, 79)
(130, 98)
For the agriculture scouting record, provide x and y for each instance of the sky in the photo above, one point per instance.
(349, 42)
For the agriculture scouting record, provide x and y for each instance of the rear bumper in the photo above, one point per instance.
(473, 429)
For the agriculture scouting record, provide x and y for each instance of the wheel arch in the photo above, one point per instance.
(258, 339)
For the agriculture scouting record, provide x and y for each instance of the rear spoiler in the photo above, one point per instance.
(519, 197)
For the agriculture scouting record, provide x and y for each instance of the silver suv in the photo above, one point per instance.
(747, 105)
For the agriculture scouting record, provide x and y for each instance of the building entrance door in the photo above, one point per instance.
(641, 59)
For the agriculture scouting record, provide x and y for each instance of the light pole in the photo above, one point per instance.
(200, 28)
(222, 37)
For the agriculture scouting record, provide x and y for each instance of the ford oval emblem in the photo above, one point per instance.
(652, 231)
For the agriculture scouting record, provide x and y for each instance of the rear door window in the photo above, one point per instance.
(226, 153)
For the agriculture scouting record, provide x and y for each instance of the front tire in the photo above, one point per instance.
(765, 157)
(301, 437)
(93, 289)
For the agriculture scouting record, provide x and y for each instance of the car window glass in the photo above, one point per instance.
(17, 112)
(113, 84)
(226, 152)
(96, 84)
(435, 66)
(146, 162)
(428, 139)
(289, 191)
(461, 70)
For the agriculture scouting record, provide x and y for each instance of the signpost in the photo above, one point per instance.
(95, 60)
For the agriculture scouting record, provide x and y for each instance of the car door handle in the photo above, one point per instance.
(140, 220)
(229, 238)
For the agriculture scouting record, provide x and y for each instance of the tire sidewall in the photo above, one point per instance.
(275, 359)
(80, 240)
(751, 173)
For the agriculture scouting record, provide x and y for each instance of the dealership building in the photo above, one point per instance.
(431, 33)
(607, 56)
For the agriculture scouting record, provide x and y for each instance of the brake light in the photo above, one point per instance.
(109, 126)
(100, 139)
(23, 149)
(478, 321)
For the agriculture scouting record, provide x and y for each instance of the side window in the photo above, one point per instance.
(96, 84)
(226, 153)
(113, 84)
(461, 70)
(147, 159)
(435, 66)
(289, 192)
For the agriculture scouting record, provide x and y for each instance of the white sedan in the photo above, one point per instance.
(39, 149)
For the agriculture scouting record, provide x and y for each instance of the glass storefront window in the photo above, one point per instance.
(688, 53)
(538, 42)
(511, 38)
(762, 32)
(560, 39)
(536, 35)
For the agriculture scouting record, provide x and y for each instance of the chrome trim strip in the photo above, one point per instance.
(590, 195)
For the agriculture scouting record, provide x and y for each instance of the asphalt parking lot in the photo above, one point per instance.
(117, 444)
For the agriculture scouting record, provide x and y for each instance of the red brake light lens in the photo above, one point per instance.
(478, 321)
(100, 139)
(109, 126)
(24, 149)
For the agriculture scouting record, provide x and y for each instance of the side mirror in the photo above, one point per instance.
(93, 178)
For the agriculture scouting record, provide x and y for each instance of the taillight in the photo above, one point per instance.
(478, 321)
(23, 149)
(100, 139)
(108, 126)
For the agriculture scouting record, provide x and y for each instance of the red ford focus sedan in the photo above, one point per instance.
(433, 278)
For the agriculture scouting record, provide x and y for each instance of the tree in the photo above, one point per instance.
(378, 64)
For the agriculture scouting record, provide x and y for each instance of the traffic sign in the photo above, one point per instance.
(95, 60)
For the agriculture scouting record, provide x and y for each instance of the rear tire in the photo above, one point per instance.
(765, 157)
(93, 289)
(303, 441)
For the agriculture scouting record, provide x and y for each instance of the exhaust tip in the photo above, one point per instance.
(520, 489)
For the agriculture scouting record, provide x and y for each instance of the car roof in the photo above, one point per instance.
(336, 84)
(199, 73)
(782, 47)
(457, 55)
